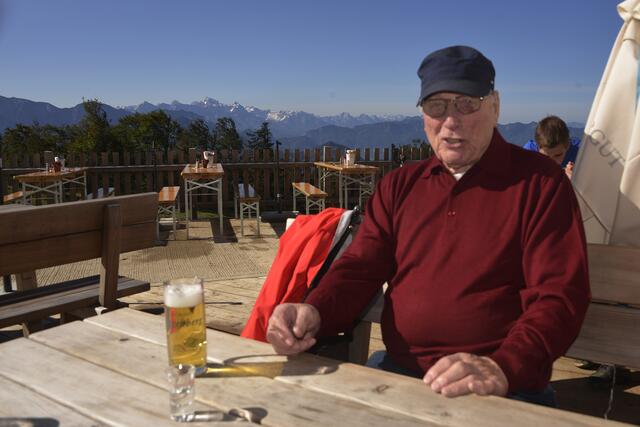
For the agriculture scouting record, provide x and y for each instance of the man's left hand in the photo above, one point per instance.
(464, 373)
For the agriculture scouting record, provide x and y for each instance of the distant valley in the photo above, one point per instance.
(295, 129)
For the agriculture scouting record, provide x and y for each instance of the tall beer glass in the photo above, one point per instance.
(186, 327)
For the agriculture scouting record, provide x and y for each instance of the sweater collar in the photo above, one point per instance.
(495, 160)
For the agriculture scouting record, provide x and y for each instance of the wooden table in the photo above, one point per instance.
(109, 369)
(52, 183)
(362, 176)
(209, 178)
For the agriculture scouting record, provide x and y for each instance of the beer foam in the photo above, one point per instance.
(183, 296)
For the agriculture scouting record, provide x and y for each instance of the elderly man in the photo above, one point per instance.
(481, 245)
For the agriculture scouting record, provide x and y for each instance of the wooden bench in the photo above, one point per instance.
(15, 197)
(248, 201)
(609, 333)
(100, 193)
(32, 238)
(167, 198)
(314, 197)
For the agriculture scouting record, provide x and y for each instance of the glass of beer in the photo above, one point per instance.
(186, 327)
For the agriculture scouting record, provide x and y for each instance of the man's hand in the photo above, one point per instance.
(464, 373)
(292, 328)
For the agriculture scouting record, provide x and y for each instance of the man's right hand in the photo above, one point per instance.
(292, 328)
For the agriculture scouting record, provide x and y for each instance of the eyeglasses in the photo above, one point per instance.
(464, 104)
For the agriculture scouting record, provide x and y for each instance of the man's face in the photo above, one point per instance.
(459, 140)
(556, 153)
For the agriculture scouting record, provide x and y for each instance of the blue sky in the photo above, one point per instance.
(324, 57)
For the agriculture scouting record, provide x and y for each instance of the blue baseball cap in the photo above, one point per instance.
(459, 69)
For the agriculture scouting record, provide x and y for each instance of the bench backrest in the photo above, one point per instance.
(46, 236)
(609, 333)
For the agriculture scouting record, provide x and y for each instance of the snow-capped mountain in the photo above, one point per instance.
(283, 123)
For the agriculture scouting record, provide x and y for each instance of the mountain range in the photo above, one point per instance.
(295, 129)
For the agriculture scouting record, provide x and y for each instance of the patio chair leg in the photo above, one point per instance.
(241, 220)
(173, 218)
(294, 199)
(258, 217)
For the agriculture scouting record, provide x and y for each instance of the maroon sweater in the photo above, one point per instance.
(494, 264)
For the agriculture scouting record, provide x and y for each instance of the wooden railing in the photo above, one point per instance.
(139, 172)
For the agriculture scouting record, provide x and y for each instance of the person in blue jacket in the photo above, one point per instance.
(552, 139)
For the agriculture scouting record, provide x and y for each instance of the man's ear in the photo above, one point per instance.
(496, 104)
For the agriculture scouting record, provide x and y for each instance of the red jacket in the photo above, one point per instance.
(303, 248)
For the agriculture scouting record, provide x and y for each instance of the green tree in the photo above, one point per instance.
(226, 135)
(141, 132)
(93, 133)
(197, 134)
(29, 140)
(165, 130)
(261, 138)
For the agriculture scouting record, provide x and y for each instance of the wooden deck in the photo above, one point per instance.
(234, 269)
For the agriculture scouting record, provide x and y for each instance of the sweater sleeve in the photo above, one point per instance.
(353, 280)
(556, 293)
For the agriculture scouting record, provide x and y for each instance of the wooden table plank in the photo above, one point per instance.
(22, 404)
(364, 385)
(90, 390)
(284, 404)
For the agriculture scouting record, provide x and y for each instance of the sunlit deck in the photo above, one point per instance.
(234, 269)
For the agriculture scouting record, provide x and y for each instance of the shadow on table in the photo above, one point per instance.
(251, 414)
(234, 367)
(582, 396)
(29, 422)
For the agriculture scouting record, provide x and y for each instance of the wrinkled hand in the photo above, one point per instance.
(292, 328)
(569, 169)
(464, 373)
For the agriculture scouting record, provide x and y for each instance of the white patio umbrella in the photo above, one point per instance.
(607, 171)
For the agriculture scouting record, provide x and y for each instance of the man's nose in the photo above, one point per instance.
(451, 118)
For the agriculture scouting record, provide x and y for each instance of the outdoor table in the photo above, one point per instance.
(209, 178)
(52, 183)
(110, 369)
(363, 176)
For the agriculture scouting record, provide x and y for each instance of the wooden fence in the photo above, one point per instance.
(138, 172)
